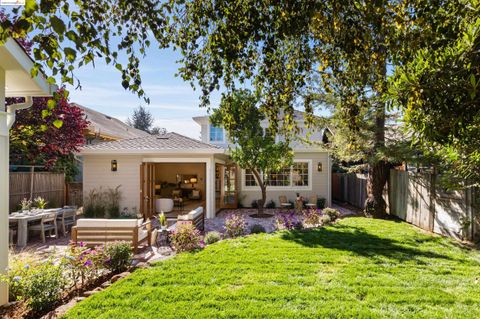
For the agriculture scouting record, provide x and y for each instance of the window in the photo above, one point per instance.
(298, 175)
(216, 134)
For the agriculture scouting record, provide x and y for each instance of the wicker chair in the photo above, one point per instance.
(284, 203)
(312, 202)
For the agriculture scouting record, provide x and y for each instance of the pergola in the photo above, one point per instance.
(15, 81)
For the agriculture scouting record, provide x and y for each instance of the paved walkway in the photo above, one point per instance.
(57, 247)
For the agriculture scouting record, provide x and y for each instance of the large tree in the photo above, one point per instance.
(143, 120)
(254, 148)
(277, 47)
(46, 135)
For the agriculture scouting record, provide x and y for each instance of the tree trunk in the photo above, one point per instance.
(375, 205)
(261, 202)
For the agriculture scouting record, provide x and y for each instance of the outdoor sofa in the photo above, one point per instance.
(195, 217)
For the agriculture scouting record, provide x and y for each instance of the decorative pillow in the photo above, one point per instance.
(196, 193)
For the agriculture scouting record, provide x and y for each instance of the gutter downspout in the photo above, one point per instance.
(15, 107)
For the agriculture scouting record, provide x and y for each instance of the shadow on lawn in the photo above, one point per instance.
(360, 242)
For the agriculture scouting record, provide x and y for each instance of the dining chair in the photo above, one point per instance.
(12, 231)
(67, 218)
(312, 202)
(47, 223)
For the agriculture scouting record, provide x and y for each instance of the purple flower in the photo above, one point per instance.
(17, 278)
(87, 263)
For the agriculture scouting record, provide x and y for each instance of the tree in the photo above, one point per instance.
(48, 136)
(438, 90)
(254, 148)
(142, 119)
(279, 47)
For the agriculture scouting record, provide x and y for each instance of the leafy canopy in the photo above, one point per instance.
(253, 147)
(143, 120)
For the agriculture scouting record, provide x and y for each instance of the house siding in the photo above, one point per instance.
(319, 180)
(97, 173)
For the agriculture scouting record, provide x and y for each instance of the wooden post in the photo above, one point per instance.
(32, 172)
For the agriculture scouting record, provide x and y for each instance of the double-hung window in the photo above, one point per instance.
(294, 177)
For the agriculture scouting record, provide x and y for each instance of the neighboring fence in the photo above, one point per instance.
(74, 194)
(350, 188)
(418, 199)
(50, 186)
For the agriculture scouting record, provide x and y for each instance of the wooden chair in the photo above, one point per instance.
(284, 203)
(47, 223)
(12, 231)
(68, 218)
(312, 202)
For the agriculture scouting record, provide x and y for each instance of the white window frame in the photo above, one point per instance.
(209, 136)
(291, 187)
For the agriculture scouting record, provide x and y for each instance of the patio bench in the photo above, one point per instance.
(195, 217)
(94, 232)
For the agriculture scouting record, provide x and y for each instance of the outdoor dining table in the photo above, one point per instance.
(23, 218)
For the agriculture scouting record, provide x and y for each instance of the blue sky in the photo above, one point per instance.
(173, 102)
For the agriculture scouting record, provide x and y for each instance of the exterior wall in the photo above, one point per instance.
(320, 183)
(4, 191)
(97, 172)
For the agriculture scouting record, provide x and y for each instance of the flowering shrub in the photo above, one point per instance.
(235, 225)
(84, 263)
(312, 217)
(212, 237)
(288, 221)
(39, 283)
(118, 256)
(333, 213)
(186, 238)
(26, 204)
(326, 220)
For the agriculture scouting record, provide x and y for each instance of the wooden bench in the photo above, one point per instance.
(94, 232)
(195, 217)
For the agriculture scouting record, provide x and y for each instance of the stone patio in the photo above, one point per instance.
(57, 247)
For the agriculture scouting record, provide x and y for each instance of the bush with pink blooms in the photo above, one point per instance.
(186, 238)
(235, 225)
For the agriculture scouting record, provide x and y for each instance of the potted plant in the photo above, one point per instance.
(40, 202)
(26, 205)
(162, 220)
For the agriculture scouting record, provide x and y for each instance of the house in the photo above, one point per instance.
(102, 127)
(15, 81)
(171, 165)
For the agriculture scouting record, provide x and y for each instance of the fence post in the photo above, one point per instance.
(32, 172)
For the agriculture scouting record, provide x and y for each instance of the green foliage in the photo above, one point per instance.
(326, 220)
(143, 120)
(321, 203)
(212, 237)
(255, 149)
(162, 219)
(311, 217)
(40, 284)
(271, 204)
(332, 213)
(235, 225)
(40, 202)
(67, 35)
(118, 256)
(356, 268)
(83, 264)
(257, 229)
(438, 90)
(103, 203)
(186, 238)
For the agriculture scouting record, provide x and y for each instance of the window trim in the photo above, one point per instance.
(291, 186)
(210, 125)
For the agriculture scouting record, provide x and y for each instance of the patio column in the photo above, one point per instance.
(4, 185)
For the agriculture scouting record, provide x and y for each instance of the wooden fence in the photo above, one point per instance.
(350, 188)
(50, 186)
(418, 199)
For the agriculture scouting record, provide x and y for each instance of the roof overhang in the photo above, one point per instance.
(17, 65)
(151, 152)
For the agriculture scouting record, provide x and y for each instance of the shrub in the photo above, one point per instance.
(257, 229)
(235, 225)
(288, 221)
(212, 237)
(40, 283)
(40, 202)
(321, 203)
(332, 213)
(103, 203)
(271, 204)
(112, 198)
(186, 238)
(326, 220)
(312, 217)
(254, 203)
(84, 263)
(118, 256)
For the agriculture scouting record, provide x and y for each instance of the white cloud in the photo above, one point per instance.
(185, 127)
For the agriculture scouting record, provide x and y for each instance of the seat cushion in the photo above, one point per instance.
(91, 222)
(142, 234)
(121, 223)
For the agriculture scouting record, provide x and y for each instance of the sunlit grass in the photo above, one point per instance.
(358, 268)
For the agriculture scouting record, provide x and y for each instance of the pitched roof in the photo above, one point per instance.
(109, 127)
(164, 143)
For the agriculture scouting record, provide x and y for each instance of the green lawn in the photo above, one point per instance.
(358, 268)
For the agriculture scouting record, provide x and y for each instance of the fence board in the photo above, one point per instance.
(350, 188)
(50, 186)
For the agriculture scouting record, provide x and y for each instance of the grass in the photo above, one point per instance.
(358, 268)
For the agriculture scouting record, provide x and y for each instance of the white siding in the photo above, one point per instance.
(97, 172)
(320, 183)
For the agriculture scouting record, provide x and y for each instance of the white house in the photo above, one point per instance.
(172, 165)
(15, 81)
